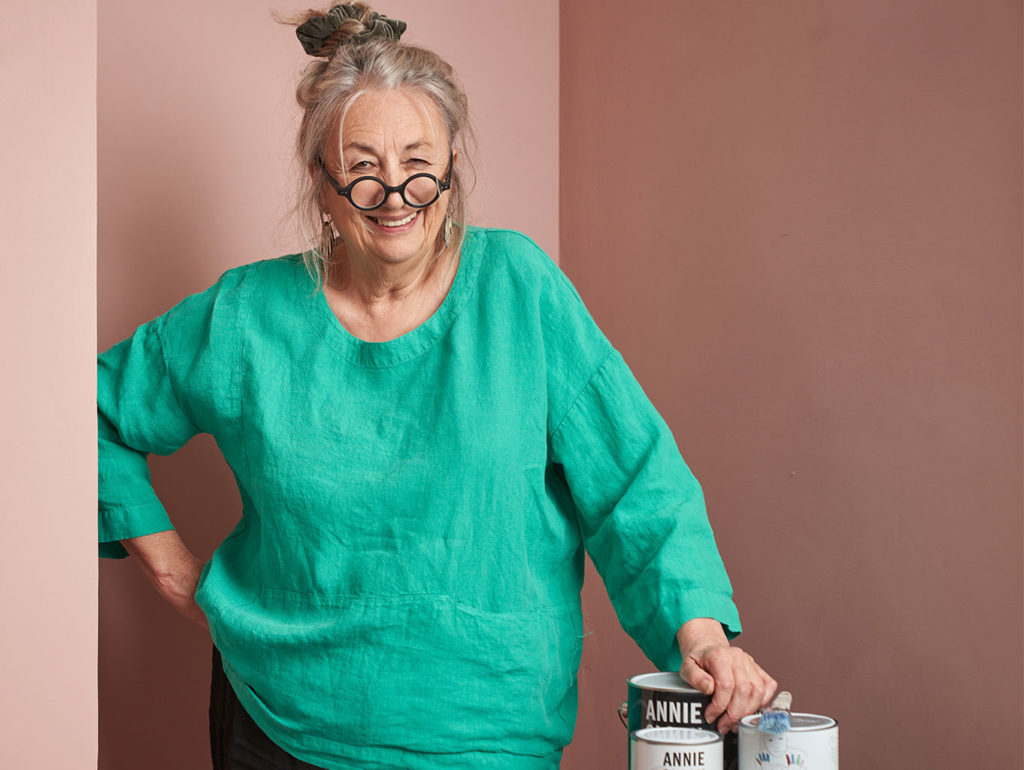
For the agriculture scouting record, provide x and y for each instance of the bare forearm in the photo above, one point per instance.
(172, 569)
(160, 556)
(701, 633)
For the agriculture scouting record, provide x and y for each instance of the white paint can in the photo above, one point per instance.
(664, 748)
(812, 743)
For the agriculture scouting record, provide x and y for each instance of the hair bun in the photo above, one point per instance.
(346, 24)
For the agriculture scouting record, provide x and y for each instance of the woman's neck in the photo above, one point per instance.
(377, 301)
(372, 281)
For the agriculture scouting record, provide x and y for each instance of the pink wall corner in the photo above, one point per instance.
(48, 525)
(195, 139)
(815, 272)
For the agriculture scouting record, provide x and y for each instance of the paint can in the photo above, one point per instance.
(664, 699)
(664, 748)
(812, 743)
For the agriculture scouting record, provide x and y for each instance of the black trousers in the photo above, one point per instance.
(236, 743)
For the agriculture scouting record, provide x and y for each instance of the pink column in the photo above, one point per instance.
(47, 306)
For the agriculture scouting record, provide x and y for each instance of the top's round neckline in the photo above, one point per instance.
(413, 342)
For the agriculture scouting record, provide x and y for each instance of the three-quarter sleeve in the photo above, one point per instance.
(172, 378)
(641, 513)
(138, 413)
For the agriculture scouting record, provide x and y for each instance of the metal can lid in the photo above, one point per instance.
(677, 736)
(662, 681)
(799, 722)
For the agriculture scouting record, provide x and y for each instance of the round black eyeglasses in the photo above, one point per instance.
(368, 192)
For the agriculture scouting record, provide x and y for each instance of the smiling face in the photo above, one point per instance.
(390, 135)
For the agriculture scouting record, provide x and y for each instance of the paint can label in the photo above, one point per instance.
(664, 700)
(672, 709)
(666, 748)
(812, 743)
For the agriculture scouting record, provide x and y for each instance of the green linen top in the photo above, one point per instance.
(403, 586)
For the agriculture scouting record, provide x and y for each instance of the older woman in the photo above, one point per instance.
(427, 428)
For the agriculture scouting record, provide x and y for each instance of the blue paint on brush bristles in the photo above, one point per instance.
(775, 719)
(774, 722)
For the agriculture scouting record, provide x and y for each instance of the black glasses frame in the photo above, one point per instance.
(346, 192)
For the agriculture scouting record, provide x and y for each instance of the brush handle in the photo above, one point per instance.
(782, 702)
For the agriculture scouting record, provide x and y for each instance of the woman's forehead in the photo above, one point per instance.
(389, 121)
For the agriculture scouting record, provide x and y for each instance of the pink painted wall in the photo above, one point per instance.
(195, 139)
(47, 303)
(801, 223)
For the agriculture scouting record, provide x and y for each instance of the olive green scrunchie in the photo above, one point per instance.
(313, 33)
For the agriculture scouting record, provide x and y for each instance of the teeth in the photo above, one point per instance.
(395, 222)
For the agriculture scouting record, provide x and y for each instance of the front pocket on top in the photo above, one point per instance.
(426, 673)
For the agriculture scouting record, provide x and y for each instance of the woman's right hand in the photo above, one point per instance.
(172, 569)
(179, 590)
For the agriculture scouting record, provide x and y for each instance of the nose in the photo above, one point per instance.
(393, 200)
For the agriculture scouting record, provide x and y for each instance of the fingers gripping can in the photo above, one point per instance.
(664, 748)
(812, 743)
(664, 699)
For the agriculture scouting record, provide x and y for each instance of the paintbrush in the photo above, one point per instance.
(775, 718)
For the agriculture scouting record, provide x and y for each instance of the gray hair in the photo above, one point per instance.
(356, 60)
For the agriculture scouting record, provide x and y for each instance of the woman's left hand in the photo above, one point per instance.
(738, 685)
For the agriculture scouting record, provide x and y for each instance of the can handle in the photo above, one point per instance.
(623, 712)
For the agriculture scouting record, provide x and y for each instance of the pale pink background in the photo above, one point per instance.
(47, 306)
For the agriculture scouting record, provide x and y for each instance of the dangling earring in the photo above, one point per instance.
(448, 231)
(326, 238)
